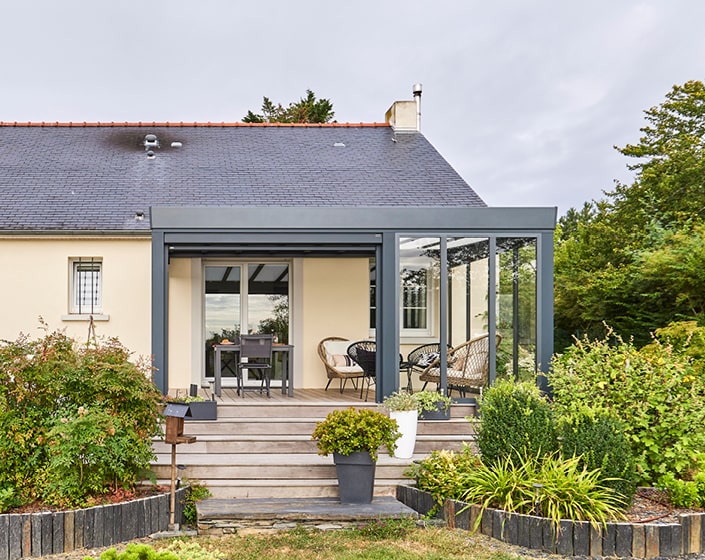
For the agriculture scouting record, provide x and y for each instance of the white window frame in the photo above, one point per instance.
(420, 332)
(412, 335)
(90, 302)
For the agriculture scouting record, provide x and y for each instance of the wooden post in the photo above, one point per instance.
(172, 525)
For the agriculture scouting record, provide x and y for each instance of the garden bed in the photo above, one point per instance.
(53, 532)
(630, 539)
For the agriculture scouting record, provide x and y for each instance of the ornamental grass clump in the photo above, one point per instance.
(549, 486)
(351, 430)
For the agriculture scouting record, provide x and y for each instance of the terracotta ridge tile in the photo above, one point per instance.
(155, 124)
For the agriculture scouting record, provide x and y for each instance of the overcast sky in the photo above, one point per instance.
(526, 99)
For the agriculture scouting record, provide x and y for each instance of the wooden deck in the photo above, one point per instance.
(332, 395)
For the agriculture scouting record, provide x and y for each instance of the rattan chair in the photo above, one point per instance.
(468, 366)
(333, 346)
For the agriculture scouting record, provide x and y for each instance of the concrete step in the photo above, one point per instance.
(221, 516)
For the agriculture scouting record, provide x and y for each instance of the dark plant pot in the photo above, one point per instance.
(203, 410)
(356, 477)
(441, 413)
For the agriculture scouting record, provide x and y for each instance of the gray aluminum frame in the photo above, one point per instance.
(187, 232)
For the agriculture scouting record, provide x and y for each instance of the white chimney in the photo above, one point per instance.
(405, 116)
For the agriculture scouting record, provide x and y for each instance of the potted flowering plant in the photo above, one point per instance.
(354, 437)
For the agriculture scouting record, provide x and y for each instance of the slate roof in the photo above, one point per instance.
(97, 177)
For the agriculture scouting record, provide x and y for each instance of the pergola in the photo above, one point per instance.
(229, 231)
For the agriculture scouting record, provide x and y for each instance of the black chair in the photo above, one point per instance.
(364, 353)
(257, 346)
(419, 359)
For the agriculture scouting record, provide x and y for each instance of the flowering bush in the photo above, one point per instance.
(656, 393)
(75, 420)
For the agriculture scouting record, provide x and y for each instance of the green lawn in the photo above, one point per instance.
(380, 542)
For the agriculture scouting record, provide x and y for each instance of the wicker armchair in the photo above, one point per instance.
(328, 350)
(468, 366)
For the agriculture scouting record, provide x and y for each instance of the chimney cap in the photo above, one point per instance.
(416, 90)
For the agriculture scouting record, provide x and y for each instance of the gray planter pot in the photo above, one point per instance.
(441, 413)
(203, 410)
(356, 477)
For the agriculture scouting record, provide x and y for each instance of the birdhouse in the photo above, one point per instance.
(175, 414)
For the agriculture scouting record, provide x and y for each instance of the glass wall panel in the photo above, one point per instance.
(419, 305)
(467, 288)
(516, 298)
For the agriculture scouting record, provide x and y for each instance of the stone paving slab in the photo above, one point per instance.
(301, 509)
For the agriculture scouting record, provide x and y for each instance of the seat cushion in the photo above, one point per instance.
(342, 360)
(335, 348)
(350, 369)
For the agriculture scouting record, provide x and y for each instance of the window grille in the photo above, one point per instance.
(86, 297)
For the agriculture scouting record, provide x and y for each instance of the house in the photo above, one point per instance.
(174, 236)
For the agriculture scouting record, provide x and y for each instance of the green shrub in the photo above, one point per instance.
(684, 493)
(599, 441)
(351, 430)
(515, 421)
(655, 392)
(442, 473)
(686, 338)
(137, 551)
(75, 420)
(196, 491)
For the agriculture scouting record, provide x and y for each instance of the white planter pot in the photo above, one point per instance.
(407, 421)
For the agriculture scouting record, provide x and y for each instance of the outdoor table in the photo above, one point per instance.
(286, 350)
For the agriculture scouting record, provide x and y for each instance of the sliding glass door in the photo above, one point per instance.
(253, 294)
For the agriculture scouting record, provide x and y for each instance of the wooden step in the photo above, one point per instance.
(262, 449)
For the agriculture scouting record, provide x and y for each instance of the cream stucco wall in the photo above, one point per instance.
(36, 281)
(335, 302)
(185, 324)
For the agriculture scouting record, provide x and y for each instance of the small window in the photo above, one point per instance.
(415, 287)
(86, 286)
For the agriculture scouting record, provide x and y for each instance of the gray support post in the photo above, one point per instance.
(544, 307)
(443, 311)
(387, 325)
(160, 335)
(492, 308)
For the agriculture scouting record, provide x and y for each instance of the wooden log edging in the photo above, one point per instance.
(41, 534)
(574, 538)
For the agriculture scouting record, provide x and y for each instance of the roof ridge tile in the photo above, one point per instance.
(167, 124)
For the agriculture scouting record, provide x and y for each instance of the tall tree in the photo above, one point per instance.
(635, 260)
(307, 110)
